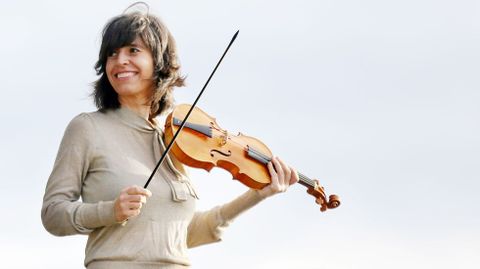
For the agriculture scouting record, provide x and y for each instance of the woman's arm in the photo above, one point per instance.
(207, 227)
(62, 212)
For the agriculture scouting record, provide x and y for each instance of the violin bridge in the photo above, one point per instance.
(223, 139)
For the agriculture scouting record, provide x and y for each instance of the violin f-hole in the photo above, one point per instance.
(220, 152)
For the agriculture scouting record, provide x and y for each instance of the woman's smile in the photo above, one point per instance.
(125, 75)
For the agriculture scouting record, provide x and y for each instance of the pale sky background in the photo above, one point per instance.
(379, 100)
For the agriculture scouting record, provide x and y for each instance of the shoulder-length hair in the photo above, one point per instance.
(121, 31)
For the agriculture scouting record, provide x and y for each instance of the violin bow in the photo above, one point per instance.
(167, 149)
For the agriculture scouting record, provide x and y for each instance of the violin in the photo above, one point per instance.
(200, 142)
(203, 144)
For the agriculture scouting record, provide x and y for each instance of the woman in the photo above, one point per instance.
(106, 155)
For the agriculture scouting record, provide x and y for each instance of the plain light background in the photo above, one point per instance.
(376, 99)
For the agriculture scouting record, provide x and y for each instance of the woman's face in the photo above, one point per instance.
(130, 71)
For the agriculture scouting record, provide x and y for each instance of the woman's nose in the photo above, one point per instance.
(123, 58)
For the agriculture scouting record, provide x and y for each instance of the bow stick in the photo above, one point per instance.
(167, 149)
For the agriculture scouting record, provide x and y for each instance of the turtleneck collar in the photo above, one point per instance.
(134, 120)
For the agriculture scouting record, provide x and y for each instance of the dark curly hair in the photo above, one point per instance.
(121, 31)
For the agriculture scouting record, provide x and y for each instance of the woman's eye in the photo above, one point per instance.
(134, 50)
(112, 54)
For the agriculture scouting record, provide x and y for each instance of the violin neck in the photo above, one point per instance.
(304, 180)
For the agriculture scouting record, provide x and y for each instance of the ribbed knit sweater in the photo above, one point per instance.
(100, 154)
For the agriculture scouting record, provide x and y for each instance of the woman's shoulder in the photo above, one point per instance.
(82, 120)
(86, 119)
(84, 123)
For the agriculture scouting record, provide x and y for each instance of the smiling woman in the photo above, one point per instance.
(141, 45)
(105, 155)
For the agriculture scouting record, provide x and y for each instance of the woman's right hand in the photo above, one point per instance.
(129, 202)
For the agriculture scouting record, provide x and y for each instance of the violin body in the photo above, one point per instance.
(203, 144)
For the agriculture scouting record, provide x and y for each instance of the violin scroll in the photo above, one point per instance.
(333, 201)
(318, 192)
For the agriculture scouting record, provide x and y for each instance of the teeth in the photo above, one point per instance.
(125, 74)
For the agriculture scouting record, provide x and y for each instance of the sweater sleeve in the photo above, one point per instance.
(62, 212)
(208, 226)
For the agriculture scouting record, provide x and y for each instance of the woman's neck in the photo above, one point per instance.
(138, 107)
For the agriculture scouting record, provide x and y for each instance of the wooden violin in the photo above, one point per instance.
(199, 142)
(203, 144)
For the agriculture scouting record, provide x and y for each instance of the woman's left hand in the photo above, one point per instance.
(282, 177)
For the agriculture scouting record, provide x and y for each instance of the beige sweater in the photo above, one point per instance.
(100, 154)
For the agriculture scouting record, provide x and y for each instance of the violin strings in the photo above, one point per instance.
(245, 147)
(265, 159)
